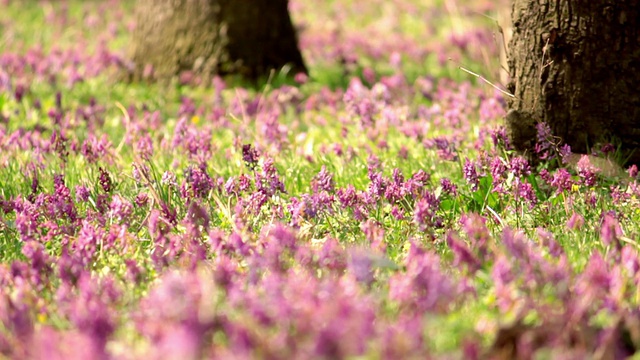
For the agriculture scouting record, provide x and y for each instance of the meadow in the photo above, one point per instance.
(372, 209)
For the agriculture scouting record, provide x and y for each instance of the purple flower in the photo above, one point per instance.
(592, 285)
(610, 231)
(395, 191)
(279, 244)
(517, 244)
(26, 220)
(547, 240)
(361, 266)
(272, 130)
(87, 242)
(268, 181)
(423, 287)
(144, 147)
(141, 200)
(105, 181)
(63, 205)
(348, 196)
(503, 275)
(377, 186)
(545, 145)
(562, 180)
(424, 212)
(576, 221)
(592, 198)
(231, 186)
(17, 318)
(169, 179)
(35, 187)
(197, 183)
(296, 208)
(462, 254)
(470, 174)
(19, 92)
(476, 229)
(180, 132)
(90, 311)
(619, 195)
(323, 181)
(120, 208)
(374, 233)
(332, 256)
(607, 148)
(187, 107)
(360, 103)
(255, 202)
(446, 148)
(630, 261)
(37, 256)
(498, 171)
(239, 245)
(300, 78)
(250, 156)
(403, 152)
(171, 316)
(499, 137)
(244, 183)
(139, 171)
(587, 170)
(545, 176)
(374, 165)
(519, 166)
(135, 273)
(323, 201)
(526, 191)
(102, 203)
(59, 142)
(491, 108)
(565, 153)
(449, 187)
(310, 206)
(224, 272)
(417, 183)
(157, 224)
(94, 149)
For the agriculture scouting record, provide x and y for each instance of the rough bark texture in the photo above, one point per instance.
(575, 64)
(207, 37)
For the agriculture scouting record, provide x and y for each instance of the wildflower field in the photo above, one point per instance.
(373, 209)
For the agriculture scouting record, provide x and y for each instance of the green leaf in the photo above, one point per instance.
(447, 204)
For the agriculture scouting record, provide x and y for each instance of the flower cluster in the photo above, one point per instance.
(379, 213)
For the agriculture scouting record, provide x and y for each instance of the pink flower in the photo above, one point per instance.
(587, 170)
(575, 222)
(610, 231)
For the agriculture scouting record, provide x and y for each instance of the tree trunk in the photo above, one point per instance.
(207, 37)
(575, 64)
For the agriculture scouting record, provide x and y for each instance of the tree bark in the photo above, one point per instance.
(208, 37)
(575, 64)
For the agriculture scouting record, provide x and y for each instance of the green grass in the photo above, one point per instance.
(307, 147)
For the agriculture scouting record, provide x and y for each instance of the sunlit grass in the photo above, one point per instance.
(173, 239)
